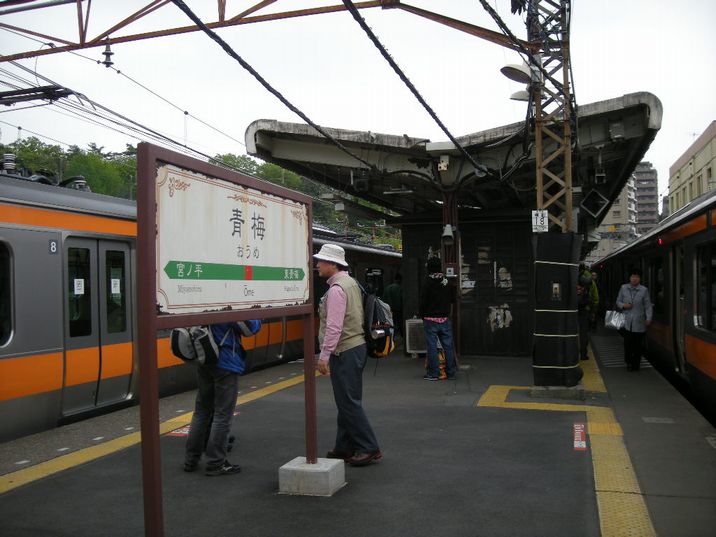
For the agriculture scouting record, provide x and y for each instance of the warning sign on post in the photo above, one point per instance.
(221, 244)
(540, 221)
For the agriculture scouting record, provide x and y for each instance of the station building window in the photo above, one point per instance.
(5, 294)
(706, 287)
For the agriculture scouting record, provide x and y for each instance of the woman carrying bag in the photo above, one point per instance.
(634, 301)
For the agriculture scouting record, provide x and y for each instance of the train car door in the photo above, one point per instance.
(679, 305)
(115, 327)
(98, 347)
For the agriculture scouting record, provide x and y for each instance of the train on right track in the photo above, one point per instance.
(678, 262)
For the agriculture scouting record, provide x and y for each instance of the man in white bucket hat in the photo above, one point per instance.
(343, 353)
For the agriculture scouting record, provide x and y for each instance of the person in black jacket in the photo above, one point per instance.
(435, 303)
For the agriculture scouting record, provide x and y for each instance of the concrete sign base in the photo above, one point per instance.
(324, 478)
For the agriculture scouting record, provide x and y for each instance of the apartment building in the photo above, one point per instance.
(693, 172)
(646, 180)
(619, 226)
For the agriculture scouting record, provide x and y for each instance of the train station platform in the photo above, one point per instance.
(478, 456)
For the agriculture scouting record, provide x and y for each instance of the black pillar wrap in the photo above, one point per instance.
(555, 356)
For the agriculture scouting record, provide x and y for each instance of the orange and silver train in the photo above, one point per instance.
(678, 263)
(67, 307)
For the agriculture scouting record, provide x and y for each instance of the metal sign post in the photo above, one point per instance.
(213, 246)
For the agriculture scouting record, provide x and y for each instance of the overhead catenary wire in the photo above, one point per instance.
(359, 19)
(134, 81)
(231, 52)
(35, 133)
(93, 112)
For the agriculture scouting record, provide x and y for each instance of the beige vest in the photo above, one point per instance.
(352, 332)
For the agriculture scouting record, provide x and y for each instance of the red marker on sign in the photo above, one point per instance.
(580, 437)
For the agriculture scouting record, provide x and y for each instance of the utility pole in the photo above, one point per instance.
(548, 32)
(555, 358)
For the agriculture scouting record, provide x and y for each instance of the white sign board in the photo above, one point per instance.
(540, 222)
(222, 245)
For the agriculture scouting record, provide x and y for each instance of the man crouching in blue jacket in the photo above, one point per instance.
(218, 387)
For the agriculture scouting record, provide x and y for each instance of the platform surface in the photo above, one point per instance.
(472, 457)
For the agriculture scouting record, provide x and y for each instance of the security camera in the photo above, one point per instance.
(448, 238)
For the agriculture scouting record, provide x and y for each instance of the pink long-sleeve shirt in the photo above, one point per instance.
(336, 301)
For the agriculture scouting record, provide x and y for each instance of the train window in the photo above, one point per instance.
(5, 296)
(374, 280)
(79, 291)
(657, 275)
(706, 287)
(116, 292)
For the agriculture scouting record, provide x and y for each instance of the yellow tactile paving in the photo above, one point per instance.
(622, 510)
(627, 515)
(592, 380)
(81, 456)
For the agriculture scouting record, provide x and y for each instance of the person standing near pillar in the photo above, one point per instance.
(587, 299)
(343, 354)
(633, 299)
(435, 304)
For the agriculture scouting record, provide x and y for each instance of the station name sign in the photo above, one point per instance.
(224, 245)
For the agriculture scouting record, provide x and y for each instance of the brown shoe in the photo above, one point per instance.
(362, 459)
(338, 454)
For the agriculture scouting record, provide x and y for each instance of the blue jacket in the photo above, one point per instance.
(231, 353)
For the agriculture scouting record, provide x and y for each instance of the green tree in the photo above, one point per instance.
(238, 162)
(103, 176)
(37, 157)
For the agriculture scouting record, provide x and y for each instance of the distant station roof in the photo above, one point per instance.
(409, 174)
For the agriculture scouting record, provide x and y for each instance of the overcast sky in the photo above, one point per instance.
(329, 69)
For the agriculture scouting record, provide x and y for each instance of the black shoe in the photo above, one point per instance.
(225, 469)
(191, 466)
(338, 454)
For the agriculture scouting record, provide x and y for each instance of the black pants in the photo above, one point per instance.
(213, 413)
(633, 342)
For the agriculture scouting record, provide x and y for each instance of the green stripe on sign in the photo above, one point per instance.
(192, 270)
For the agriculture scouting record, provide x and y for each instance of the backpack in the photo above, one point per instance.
(196, 345)
(378, 326)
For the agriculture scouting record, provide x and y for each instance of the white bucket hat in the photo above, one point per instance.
(332, 253)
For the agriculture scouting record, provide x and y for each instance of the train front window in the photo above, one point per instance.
(79, 291)
(116, 292)
(5, 296)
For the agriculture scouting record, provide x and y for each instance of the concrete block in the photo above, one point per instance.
(324, 478)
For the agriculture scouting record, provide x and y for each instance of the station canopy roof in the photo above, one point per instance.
(409, 174)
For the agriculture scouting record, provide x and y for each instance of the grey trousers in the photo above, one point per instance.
(354, 433)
